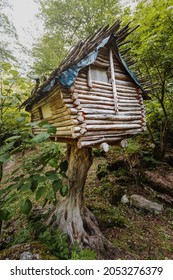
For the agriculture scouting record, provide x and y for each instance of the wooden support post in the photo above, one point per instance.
(113, 80)
(89, 77)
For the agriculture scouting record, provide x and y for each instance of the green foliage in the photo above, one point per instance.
(132, 148)
(13, 90)
(25, 206)
(38, 178)
(56, 242)
(7, 32)
(151, 44)
(67, 22)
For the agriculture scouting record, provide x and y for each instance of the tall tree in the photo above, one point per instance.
(152, 45)
(7, 32)
(67, 21)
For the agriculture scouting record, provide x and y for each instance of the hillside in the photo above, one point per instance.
(135, 232)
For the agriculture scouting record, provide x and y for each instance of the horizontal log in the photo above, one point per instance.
(132, 109)
(65, 139)
(113, 126)
(100, 84)
(101, 102)
(82, 144)
(127, 94)
(112, 133)
(62, 123)
(94, 89)
(126, 88)
(103, 55)
(98, 106)
(123, 77)
(131, 105)
(128, 101)
(63, 133)
(97, 111)
(95, 98)
(99, 63)
(65, 128)
(95, 83)
(114, 117)
(62, 117)
(97, 134)
(111, 122)
(95, 93)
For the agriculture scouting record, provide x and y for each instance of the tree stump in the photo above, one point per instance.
(71, 214)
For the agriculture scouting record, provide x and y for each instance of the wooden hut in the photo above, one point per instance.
(92, 97)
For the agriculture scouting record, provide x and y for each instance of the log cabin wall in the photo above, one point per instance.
(104, 120)
(58, 114)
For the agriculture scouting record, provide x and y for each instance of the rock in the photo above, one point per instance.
(124, 199)
(29, 256)
(143, 203)
(26, 251)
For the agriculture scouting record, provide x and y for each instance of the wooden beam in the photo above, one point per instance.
(113, 80)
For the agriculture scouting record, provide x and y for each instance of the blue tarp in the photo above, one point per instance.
(67, 77)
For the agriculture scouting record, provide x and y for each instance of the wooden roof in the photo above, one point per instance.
(77, 53)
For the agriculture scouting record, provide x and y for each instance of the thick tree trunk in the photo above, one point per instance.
(71, 214)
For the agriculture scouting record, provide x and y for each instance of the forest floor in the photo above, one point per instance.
(138, 233)
(135, 233)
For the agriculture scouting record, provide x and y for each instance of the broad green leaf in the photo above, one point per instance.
(26, 186)
(52, 175)
(31, 124)
(53, 162)
(41, 191)
(8, 146)
(25, 206)
(64, 190)
(6, 82)
(52, 130)
(39, 178)
(43, 124)
(41, 137)
(57, 185)
(63, 166)
(4, 215)
(15, 73)
(12, 138)
(34, 184)
(6, 66)
(4, 157)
